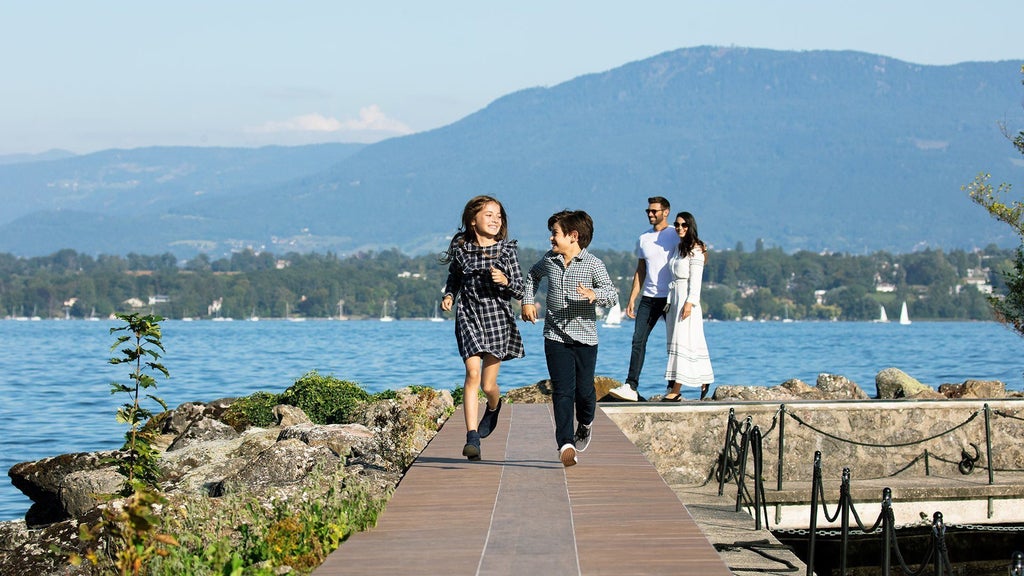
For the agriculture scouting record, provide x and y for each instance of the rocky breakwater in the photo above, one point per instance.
(214, 464)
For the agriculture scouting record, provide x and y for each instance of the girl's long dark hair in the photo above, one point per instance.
(465, 231)
(691, 239)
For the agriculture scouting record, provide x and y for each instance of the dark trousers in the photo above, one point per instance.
(571, 367)
(647, 313)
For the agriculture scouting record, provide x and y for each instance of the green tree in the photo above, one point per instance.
(1009, 308)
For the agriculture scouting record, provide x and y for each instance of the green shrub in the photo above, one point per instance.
(246, 535)
(256, 409)
(325, 399)
(458, 394)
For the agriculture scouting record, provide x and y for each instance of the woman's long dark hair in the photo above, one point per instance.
(691, 239)
(465, 231)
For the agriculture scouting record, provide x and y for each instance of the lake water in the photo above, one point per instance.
(55, 380)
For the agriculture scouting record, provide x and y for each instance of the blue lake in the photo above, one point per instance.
(55, 380)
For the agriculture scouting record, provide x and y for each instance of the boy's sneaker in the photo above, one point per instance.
(489, 421)
(567, 454)
(624, 392)
(582, 437)
(472, 448)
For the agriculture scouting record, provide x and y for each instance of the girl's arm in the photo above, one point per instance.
(452, 285)
(516, 288)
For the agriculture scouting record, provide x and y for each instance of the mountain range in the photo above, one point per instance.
(817, 150)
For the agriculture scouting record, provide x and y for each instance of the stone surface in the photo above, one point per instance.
(893, 383)
(41, 481)
(286, 462)
(286, 416)
(83, 490)
(984, 389)
(339, 438)
(205, 429)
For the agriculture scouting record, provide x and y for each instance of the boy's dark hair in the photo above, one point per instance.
(659, 200)
(576, 221)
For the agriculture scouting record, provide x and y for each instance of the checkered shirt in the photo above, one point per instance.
(569, 317)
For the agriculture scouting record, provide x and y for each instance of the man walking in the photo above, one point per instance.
(650, 282)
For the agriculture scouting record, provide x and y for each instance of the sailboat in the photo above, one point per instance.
(613, 319)
(437, 316)
(904, 316)
(384, 317)
(882, 316)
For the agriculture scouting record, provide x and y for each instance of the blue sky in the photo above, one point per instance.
(86, 76)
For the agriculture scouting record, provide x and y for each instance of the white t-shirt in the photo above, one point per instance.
(655, 248)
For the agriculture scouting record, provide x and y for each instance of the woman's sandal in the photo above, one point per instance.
(704, 390)
(668, 398)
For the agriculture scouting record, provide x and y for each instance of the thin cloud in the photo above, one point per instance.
(371, 119)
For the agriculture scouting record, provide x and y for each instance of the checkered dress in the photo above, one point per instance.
(484, 323)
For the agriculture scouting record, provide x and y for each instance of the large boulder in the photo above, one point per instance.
(342, 439)
(41, 481)
(83, 490)
(286, 462)
(203, 430)
(286, 415)
(893, 383)
(836, 387)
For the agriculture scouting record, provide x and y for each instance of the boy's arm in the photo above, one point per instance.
(530, 283)
(604, 289)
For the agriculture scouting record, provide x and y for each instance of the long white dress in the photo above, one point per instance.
(689, 363)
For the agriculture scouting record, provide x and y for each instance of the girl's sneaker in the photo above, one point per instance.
(472, 448)
(489, 421)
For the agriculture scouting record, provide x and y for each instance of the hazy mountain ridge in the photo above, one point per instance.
(809, 150)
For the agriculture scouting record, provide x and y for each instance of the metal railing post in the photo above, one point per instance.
(887, 530)
(755, 441)
(723, 462)
(782, 445)
(988, 441)
(813, 527)
(939, 543)
(741, 470)
(844, 503)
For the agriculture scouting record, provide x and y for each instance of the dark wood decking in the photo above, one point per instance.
(518, 511)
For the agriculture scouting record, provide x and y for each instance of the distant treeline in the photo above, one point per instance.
(765, 283)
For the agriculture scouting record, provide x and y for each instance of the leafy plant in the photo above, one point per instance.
(256, 409)
(325, 399)
(142, 352)
(244, 534)
(132, 534)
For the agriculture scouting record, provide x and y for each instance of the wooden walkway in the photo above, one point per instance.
(518, 511)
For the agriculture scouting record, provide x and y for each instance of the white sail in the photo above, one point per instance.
(904, 316)
(882, 316)
(384, 316)
(613, 319)
(437, 316)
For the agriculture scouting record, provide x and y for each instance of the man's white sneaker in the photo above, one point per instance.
(624, 392)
